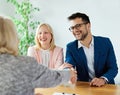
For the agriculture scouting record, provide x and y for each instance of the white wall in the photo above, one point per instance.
(104, 16)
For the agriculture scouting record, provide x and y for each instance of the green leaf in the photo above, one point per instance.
(24, 23)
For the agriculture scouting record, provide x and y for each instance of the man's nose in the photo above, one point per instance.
(75, 30)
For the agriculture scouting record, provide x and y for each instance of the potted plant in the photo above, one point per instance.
(24, 23)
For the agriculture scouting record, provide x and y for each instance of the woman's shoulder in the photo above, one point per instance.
(32, 47)
(14, 60)
(58, 47)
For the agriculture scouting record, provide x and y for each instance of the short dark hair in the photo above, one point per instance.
(84, 17)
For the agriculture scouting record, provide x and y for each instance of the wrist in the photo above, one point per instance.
(105, 81)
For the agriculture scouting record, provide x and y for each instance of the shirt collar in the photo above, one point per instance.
(81, 45)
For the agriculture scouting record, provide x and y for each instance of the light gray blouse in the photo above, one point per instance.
(20, 75)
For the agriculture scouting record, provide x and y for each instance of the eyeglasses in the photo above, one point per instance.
(77, 26)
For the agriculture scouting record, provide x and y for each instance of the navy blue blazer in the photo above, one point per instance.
(104, 59)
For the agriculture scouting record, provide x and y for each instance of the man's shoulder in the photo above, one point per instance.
(100, 37)
(72, 43)
(103, 41)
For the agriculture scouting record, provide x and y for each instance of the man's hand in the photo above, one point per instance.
(98, 82)
(38, 94)
(65, 65)
(73, 76)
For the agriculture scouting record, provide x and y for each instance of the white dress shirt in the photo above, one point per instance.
(89, 53)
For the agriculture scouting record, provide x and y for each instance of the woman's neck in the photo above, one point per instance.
(45, 47)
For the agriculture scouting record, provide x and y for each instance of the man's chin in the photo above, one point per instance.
(80, 39)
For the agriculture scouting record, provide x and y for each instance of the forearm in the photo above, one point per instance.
(51, 78)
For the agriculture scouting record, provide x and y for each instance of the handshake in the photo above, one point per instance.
(73, 72)
(73, 78)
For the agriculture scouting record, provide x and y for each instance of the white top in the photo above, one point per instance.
(89, 52)
(45, 54)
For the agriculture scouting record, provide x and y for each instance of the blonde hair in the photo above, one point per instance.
(52, 43)
(8, 36)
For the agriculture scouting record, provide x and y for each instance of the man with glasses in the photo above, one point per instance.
(92, 56)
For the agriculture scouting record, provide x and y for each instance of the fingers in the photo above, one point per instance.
(73, 76)
(97, 82)
(65, 65)
(73, 80)
(74, 70)
(38, 94)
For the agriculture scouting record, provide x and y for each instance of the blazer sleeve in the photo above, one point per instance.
(111, 63)
(69, 56)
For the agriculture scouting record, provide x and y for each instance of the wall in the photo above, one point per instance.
(103, 14)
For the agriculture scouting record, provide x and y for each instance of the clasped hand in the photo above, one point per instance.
(98, 82)
(73, 72)
(73, 78)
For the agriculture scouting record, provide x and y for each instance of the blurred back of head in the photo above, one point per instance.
(8, 36)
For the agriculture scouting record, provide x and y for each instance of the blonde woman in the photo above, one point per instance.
(19, 75)
(45, 51)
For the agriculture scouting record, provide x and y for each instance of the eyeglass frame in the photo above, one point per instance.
(77, 26)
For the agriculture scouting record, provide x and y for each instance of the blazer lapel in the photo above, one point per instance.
(97, 52)
(82, 58)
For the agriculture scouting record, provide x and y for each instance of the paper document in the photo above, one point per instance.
(57, 93)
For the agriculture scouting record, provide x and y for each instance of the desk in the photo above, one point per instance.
(82, 88)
